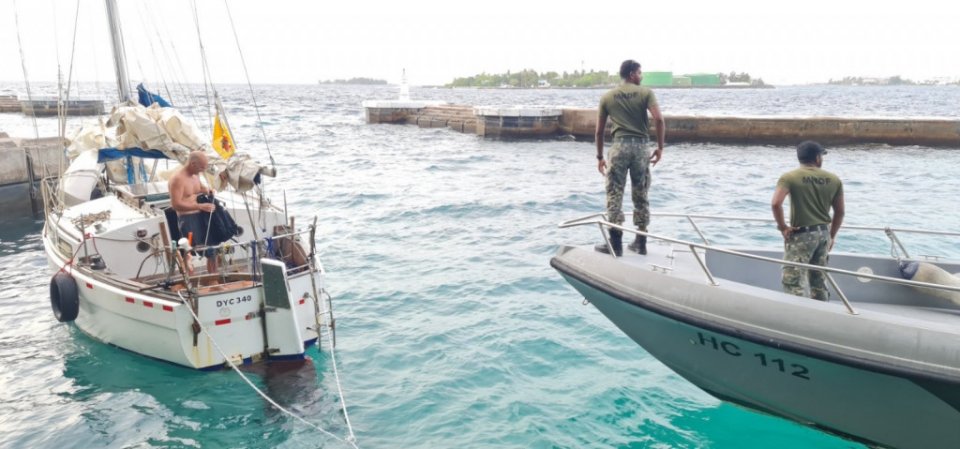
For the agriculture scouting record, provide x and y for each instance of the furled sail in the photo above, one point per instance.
(133, 126)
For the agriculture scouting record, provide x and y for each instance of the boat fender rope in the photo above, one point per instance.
(351, 439)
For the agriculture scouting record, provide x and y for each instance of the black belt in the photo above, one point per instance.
(819, 227)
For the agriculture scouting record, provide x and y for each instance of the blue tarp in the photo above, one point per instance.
(146, 98)
(110, 154)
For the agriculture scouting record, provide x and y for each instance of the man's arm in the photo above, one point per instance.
(838, 212)
(601, 129)
(776, 204)
(661, 127)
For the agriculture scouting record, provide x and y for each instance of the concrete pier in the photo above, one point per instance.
(9, 103)
(47, 106)
(25, 160)
(581, 124)
(23, 163)
(510, 123)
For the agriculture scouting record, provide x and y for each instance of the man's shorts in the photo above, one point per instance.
(197, 225)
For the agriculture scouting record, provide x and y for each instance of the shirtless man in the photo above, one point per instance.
(184, 187)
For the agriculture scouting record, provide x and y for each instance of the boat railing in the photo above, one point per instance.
(260, 248)
(601, 222)
(890, 232)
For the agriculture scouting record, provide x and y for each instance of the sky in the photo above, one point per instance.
(433, 41)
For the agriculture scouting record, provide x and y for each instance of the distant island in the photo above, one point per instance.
(361, 81)
(890, 81)
(528, 78)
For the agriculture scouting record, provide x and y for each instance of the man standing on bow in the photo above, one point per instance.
(626, 106)
(810, 236)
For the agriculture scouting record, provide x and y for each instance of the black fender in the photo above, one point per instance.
(64, 297)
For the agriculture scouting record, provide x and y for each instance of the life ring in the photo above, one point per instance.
(64, 297)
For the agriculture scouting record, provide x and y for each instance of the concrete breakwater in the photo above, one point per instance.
(534, 122)
(29, 160)
(23, 163)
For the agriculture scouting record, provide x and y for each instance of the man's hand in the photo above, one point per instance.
(787, 232)
(656, 156)
(207, 207)
(602, 166)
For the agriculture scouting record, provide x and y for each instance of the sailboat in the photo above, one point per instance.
(123, 274)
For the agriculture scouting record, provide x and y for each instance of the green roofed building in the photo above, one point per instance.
(655, 79)
(704, 79)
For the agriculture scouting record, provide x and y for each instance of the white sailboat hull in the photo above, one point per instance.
(155, 322)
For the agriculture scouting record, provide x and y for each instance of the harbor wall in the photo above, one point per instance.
(785, 130)
(581, 124)
(19, 156)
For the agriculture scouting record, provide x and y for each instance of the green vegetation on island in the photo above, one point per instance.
(361, 81)
(529, 78)
(891, 81)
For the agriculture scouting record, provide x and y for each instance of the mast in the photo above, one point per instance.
(119, 53)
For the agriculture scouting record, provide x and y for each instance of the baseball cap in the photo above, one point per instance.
(809, 150)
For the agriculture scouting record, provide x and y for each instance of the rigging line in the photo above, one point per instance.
(61, 106)
(177, 73)
(96, 62)
(144, 76)
(153, 52)
(207, 79)
(186, 91)
(247, 75)
(254, 387)
(73, 53)
(23, 65)
(56, 38)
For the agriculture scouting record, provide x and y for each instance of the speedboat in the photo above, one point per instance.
(879, 363)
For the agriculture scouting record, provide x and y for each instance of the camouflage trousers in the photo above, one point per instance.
(628, 156)
(810, 248)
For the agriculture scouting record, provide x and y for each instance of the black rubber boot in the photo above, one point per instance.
(616, 241)
(639, 245)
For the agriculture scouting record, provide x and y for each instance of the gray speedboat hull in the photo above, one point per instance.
(886, 376)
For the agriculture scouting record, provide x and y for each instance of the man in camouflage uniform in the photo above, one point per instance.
(810, 236)
(626, 105)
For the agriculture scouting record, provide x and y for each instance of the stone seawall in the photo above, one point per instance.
(18, 157)
(581, 124)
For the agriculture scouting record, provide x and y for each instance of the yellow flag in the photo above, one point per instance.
(222, 141)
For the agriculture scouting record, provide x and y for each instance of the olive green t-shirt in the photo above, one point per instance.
(812, 191)
(626, 105)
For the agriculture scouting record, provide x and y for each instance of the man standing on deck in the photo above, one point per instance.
(626, 105)
(184, 187)
(810, 236)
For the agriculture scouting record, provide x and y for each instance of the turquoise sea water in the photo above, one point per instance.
(453, 331)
